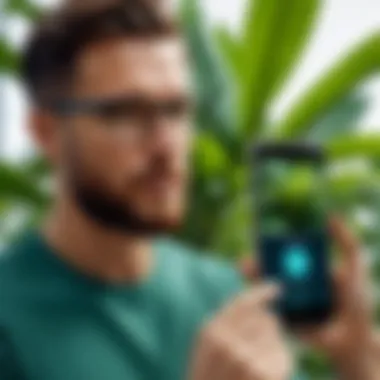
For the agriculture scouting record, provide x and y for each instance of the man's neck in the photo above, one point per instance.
(94, 250)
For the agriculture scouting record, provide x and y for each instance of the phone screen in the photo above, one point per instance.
(292, 235)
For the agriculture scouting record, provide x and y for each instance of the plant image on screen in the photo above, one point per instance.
(289, 196)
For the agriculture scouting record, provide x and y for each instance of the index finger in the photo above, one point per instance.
(247, 302)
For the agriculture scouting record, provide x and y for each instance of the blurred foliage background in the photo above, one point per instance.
(238, 76)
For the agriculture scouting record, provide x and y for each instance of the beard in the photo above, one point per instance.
(113, 212)
(118, 215)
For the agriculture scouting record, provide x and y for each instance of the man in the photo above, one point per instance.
(95, 293)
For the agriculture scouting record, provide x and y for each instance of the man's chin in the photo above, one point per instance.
(156, 226)
(127, 219)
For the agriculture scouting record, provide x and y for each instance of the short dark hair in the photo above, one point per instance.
(48, 62)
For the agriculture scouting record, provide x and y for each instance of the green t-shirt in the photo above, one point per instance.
(57, 324)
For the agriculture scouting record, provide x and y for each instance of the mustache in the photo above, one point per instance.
(162, 169)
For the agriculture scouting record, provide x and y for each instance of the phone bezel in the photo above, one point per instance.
(297, 151)
(289, 150)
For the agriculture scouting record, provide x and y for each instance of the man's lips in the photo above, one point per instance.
(163, 183)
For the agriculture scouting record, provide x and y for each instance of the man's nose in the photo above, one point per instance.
(166, 135)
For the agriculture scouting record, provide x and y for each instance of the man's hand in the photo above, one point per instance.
(348, 338)
(244, 342)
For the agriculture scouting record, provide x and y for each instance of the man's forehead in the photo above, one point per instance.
(128, 64)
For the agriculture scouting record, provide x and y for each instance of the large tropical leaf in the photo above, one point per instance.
(215, 110)
(26, 8)
(299, 24)
(362, 62)
(9, 58)
(355, 145)
(16, 185)
(342, 119)
(209, 158)
(261, 29)
(275, 33)
(232, 237)
(232, 52)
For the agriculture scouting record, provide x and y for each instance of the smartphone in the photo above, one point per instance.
(292, 237)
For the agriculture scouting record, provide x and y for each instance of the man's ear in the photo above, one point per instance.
(43, 129)
(249, 268)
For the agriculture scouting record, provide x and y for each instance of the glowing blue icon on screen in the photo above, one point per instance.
(297, 262)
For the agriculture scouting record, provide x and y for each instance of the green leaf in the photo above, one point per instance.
(215, 110)
(263, 17)
(232, 235)
(365, 145)
(16, 185)
(9, 58)
(343, 118)
(342, 78)
(275, 34)
(231, 51)
(316, 365)
(25, 8)
(37, 167)
(210, 158)
(353, 187)
(297, 29)
(369, 232)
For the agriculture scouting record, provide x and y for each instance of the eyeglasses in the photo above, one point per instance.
(135, 115)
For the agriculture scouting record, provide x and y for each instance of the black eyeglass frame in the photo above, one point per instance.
(100, 107)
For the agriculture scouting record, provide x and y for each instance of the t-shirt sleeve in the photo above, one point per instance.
(231, 282)
(9, 369)
(300, 376)
(218, 282)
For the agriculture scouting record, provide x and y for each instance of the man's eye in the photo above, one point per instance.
(117, 111)
(177, 109)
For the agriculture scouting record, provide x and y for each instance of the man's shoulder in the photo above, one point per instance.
(12, 262)
(208, 274)
(11, 280)
(16, 268)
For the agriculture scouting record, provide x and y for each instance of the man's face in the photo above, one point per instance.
(127, 167)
